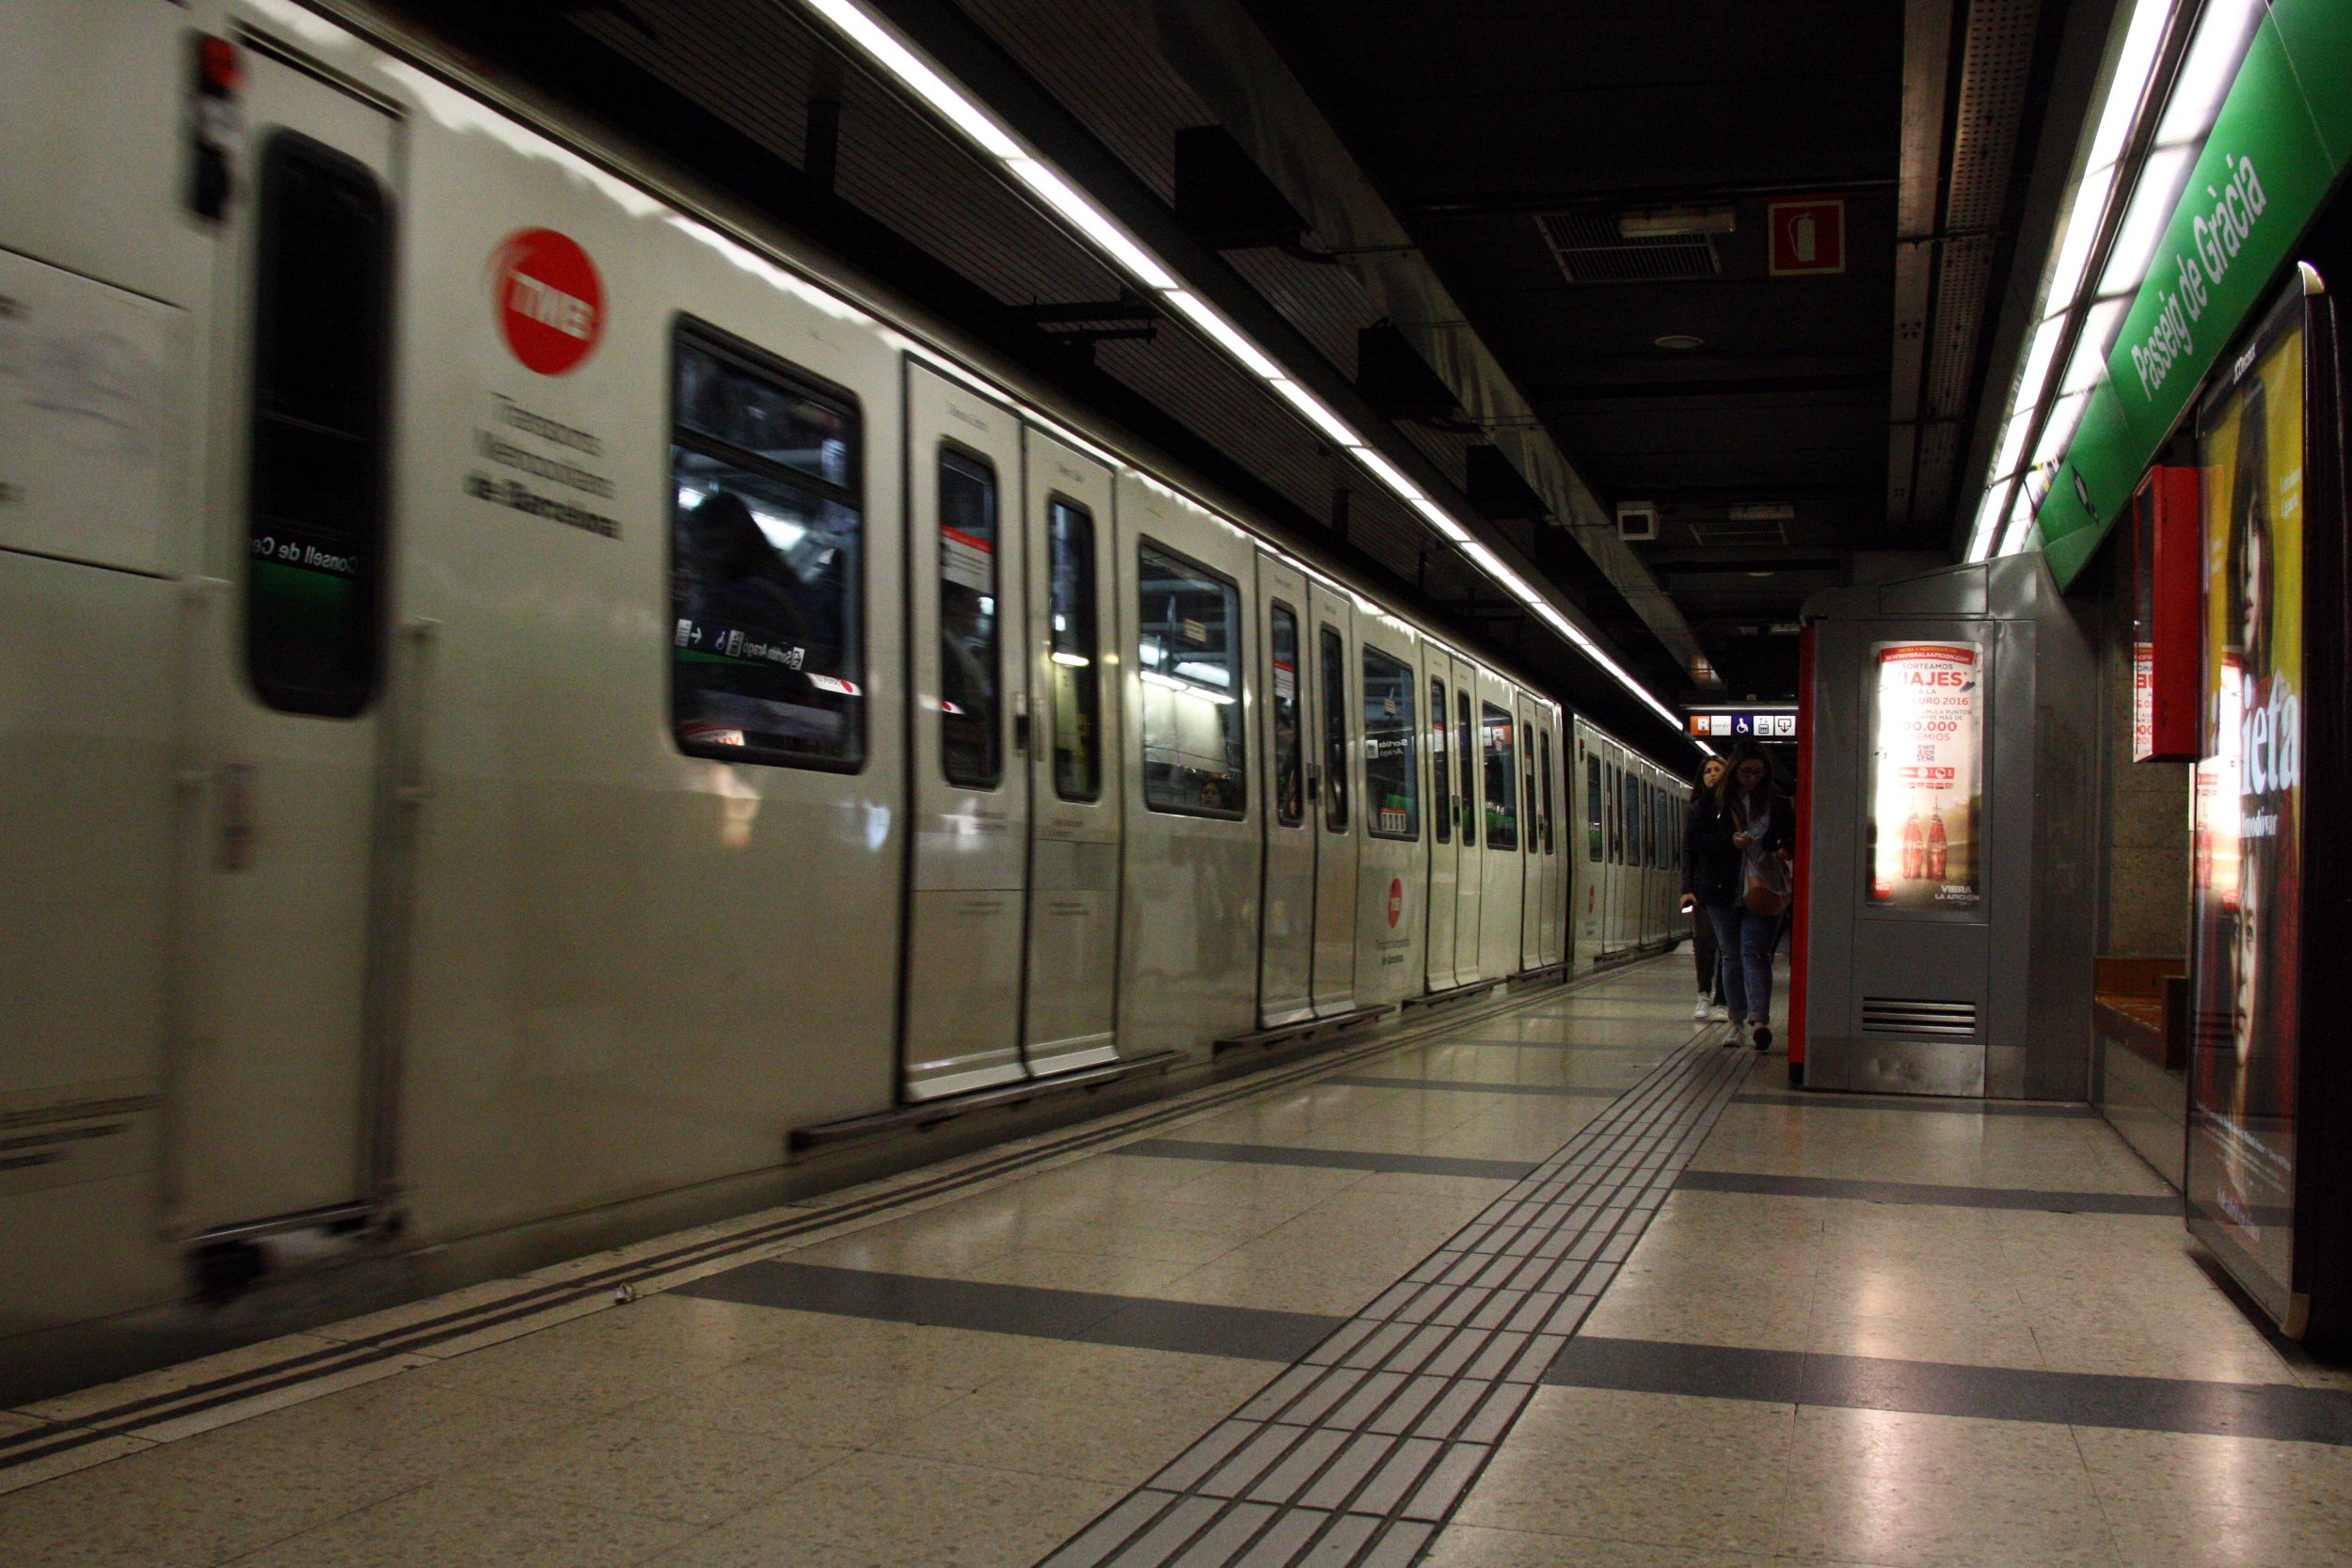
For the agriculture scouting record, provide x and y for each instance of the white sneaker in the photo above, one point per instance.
(1738, 1034)
(1699, 1012)
(1719, 1012)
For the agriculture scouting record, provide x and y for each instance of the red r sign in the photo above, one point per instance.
(1809, 236)
(550, 303)
(1396, 901)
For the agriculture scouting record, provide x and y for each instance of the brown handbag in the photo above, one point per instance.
(1768, 884)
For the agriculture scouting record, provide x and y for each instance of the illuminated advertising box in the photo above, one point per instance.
(1927, 759)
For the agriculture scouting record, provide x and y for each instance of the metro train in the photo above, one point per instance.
(520, 690)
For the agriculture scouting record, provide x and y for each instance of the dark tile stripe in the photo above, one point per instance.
(1328, 1159)
(1248, 1333)
(2281, 1411)
(1929, 1194)
(1466, 1085)
(1933, 1105)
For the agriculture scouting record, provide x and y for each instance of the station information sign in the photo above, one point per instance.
(1927, 761)
(1739, 727)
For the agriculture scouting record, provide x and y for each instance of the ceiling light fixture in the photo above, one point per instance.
(1679, 340)
(885, 50)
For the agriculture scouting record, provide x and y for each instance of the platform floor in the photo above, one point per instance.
(1560, 1282)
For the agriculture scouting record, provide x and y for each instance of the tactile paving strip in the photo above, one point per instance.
(1359, 1454)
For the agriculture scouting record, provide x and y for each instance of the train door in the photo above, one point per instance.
(1555, 840)
(1069, 1000)
(1391, 877)
(1286, 952)
(278, 1101)
(1591, 874)
(968, 787)
(1535, 835)
(1614, 854)
(1504, 876)
(1445, 895)
(1469, 807)
(1333, 788)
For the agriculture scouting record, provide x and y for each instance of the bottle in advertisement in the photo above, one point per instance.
(1915, 846)
(1938, 850)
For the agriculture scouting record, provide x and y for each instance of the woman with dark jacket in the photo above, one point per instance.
(1741, 830)
(1702, 926)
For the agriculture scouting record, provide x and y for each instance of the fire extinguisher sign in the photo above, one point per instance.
(1809, 236)
(1927, 748)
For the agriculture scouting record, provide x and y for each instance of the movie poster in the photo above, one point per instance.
(1927, 759)
(2248, 813)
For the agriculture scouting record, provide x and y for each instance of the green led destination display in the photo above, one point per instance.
(2274, 152)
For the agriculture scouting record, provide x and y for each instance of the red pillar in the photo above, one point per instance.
(1798, 938)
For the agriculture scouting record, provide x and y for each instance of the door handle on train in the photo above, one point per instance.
(1020, 732)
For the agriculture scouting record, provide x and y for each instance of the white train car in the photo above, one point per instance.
(522, 692)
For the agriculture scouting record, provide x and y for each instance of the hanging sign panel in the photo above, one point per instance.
(1927, 762)
(2246, 884)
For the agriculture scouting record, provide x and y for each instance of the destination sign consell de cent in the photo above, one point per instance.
(1736, 726)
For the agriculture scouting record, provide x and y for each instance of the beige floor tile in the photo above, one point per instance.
(571, 1371)
(795, 1406)
(1915, 1524)
(884, 1510)
(201, 1501)
(460, 1521)
(1650, 1469)
(1471, 1546)
(2143, 1472)
(1753, 1321)
(1104, 1438)
(692, 1474)
(2224, 1537)
(34, 1472)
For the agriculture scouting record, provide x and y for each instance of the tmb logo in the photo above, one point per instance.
(1396, 901)
(550, 305)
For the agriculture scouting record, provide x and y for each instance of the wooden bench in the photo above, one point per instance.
(2142, 1005)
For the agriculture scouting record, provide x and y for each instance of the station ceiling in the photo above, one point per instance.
(1548, 163)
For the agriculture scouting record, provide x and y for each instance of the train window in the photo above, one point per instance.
(1392, 773)
(1591, 807)
(1616, 815)
(1503, 820)
(766, 562)
(1527, 789)
(1289, 746)
(1465, 748)
(315, 487)
(1544, 809)
(1073, 651)
(971, 667)
(1441, 764)
(1189, 655)
(1332, 654)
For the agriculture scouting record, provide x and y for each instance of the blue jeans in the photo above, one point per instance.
(1745, 939)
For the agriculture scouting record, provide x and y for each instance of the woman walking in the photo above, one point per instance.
(1737, 843)
(1702, 927)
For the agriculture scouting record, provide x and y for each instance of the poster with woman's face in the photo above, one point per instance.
(2248, 810)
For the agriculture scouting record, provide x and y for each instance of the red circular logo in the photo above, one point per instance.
(550, 304)
(1396, 901)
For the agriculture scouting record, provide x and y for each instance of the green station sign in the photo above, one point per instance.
(2283, 135)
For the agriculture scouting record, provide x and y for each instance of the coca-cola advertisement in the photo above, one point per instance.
(2247, 892)
(1926, 758)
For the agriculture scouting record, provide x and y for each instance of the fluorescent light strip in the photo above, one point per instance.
(1440, 520)
(1222, 332)
(1389, 474)
(928, 84)
(2222, 34)
(1988, 524)
(1087, 221)
(2152, 200)
(1318, 416)
(885, 50)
